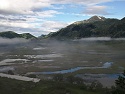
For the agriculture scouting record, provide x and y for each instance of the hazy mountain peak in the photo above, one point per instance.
(95, 26)
(96, 18)
(92, 19)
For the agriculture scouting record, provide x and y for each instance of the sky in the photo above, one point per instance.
(44, 16)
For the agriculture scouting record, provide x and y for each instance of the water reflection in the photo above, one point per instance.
(105, 65)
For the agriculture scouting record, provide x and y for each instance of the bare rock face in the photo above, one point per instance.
(96, 18)
(92, 19)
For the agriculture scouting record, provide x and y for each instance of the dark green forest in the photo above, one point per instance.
(113, 28)
(60, 85)
(11, 34)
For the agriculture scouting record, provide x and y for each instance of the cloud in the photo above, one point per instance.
(52, 26)
(85, 2)
(20, 30)
(8, 7)
(48, 13)
(21, 6)
(35, 24)
(12, 41)
(33, 15)
(29, 6)
(75, 1)
(96, 10)
(16, 24)
(11, 18)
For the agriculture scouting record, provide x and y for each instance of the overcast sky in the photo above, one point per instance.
(43, 16)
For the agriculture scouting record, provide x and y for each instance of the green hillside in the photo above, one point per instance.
(27, 36)
(11, 34)
(96, 26)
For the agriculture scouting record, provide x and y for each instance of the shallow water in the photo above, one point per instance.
(105, 65)
(99, 75)
(11, 61)
(39, 48)
(6, 68)
(43, 56)
(69, 56)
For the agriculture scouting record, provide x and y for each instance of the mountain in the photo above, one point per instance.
(92, 19)
(96, 18)
(27, 36)
(95, 26)
(118, 29)
(11, 34)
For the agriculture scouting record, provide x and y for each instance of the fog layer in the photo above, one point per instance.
(13, 41)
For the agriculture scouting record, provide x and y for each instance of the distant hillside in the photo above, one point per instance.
(90, 20)
(96, 26)
(11, 34)
(27, 36)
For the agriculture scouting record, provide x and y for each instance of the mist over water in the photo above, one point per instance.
(101, 39)
(13, 41)
(97, 39)
(55, 55)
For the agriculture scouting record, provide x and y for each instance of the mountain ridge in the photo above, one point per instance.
(92, 19)
(12, 34)
(95, 26)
